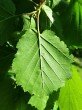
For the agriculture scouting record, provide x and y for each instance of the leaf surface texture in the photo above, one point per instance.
(41, 65)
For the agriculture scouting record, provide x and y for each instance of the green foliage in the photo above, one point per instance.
(73, 22)
(47, 72)
(7, 14)
(71, 95)
(37, 40)
(40, 102)
(6, 57)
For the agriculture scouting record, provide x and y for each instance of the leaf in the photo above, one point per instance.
(57, 25)
(55, 106)
(52, 3)
(48, 12)
(7, 12)
(49, 3)
(55, 2)
(29, 22)
(52, 101)
(80, 1)
(38, 102)
(72, 21)
(44, 22)
(70, 97)
(24, 6)
(12, 97)
(79, 69)
(6, 57)
(6, 94)
(7, 8)
(21, 98)
(44, 67)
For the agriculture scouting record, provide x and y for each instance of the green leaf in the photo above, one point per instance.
(55, 2)
(21, 98)
(7, 12)
(24, 6)
(80, 1)
(44, 67)
(44, 22)
(29, 22)
(48, 12)
(52, 101)
(52, 3)
(12, 97)
(70, 97)
(55, 105)
(7, 8)
(38, 102)
(79, 69)
(6, 57)
(6, 94)
(49, 2)
(72, 21)
(57, 25)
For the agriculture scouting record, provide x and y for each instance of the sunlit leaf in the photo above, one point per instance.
(41, 68)
(38, 102)
(48, 12)
(70, 97)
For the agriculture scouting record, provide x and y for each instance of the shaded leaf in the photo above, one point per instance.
(44, 22)
(7, 9)
(7, 12)
(52, 101)
(6, 57)
(21, 98)
(72, 20)
(24, 6)
(12, 97)
(57, 25)
(6, 94)
(55, 2)
(52, 3)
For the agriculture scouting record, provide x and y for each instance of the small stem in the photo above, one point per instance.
(33, 2)
(38, 17)
(38, 30)
(31, 13)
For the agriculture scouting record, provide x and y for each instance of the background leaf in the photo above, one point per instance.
(6, 94)
(72, 22)
(48, 12)
(12, 97)
(6, 57)
(7, 12)
(70, 97)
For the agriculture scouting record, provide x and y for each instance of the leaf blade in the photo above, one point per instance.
(70, 96)
(7, 13)
(48, 12)
(38, 71)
